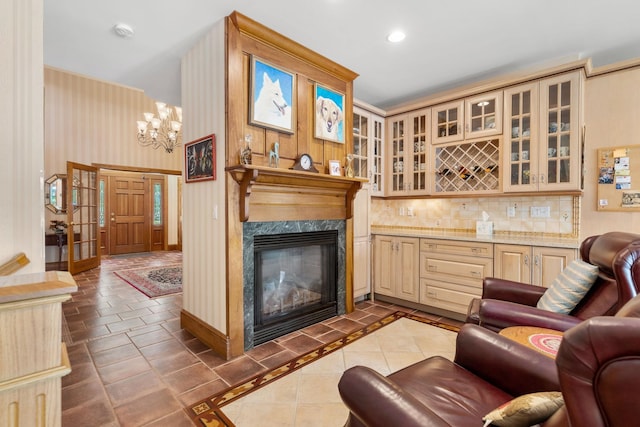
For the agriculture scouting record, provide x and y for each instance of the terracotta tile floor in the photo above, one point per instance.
(132, 364)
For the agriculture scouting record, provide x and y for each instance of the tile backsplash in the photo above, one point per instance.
(461, 214)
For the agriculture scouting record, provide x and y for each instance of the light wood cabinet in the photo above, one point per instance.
(368, 148)
(396, 263)
(537, 265)
(542, 150)
(361, 243)
(483, 115)
(447, 122)
(451, 272)
(474, 117)
(408, 154)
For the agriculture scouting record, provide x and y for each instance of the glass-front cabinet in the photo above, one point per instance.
(483, 115)
(542, 133)
(409, 139)
(521, 136)
(560, 132)
(368, 144)
(448, 122)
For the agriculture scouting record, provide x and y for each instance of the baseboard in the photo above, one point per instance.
(173, 247)
(206, 333)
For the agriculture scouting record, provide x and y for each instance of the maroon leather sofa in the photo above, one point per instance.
(597, 369)
(506, 303)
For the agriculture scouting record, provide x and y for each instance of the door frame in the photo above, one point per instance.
(105, 168)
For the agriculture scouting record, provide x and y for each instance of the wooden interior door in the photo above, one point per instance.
(128, 222)
(82, 217)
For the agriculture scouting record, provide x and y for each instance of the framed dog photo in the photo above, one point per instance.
(272, 97)
(329, 114)
(200, 159)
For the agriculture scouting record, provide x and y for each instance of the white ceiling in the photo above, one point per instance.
(449, 43)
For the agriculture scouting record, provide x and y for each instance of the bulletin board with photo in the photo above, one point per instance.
(619, 178)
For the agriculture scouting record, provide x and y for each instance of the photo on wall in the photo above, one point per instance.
(329, 114)
(272, 97)
(200, 159)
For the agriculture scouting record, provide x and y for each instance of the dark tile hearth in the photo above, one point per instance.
(132, 364)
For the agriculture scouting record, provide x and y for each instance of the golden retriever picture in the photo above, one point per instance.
(329, 117)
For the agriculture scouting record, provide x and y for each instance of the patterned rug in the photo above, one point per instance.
(207, 412)
(154, 281)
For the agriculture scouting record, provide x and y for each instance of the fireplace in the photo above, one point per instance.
(295, 282)
(294, 276)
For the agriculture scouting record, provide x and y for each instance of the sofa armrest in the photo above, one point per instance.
(497, 315)
(508, 290)
(504, 363)
(377, 401)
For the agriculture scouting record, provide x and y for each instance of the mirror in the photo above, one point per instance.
(54, 188)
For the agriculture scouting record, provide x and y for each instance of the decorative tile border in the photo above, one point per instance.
(207, 412)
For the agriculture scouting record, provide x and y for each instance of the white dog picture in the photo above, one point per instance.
(329, 114)
(272, 97)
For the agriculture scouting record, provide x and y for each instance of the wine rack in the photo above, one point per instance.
(469, 167)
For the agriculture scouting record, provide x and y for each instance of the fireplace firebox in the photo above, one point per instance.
(295, 281)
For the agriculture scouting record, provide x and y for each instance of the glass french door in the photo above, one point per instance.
(82, 217)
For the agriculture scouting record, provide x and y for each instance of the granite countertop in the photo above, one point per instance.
(530, 239)
(19, 287)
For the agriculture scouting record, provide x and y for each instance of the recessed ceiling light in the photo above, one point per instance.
(123, 30)
(396, 36)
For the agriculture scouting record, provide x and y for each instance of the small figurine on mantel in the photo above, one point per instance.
(274, 155)
(348, 170)
(245, 152)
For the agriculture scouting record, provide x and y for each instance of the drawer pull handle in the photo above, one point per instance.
(432, 294)
(476, 274)
(475, 250)
(432, 268)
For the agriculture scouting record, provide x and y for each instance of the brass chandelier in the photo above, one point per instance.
(162, 131)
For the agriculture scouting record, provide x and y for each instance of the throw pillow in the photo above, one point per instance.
(525, 410)
(569, 287)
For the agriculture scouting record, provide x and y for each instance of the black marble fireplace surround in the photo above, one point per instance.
(253, 229)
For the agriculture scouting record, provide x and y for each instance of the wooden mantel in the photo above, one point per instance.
(273, 194)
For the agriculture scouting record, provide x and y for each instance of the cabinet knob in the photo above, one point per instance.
(542, 178)
(526, 260)
(536, 260)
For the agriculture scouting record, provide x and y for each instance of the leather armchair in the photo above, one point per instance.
(506, 303)
(597, 370)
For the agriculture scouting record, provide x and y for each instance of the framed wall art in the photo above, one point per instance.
(200, 159)
(329, 114)
(334, 168)
(272, 97)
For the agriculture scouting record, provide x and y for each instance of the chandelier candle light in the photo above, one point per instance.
(165, 129)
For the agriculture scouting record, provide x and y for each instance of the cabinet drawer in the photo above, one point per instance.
(447, 296)
(460, 267)
(476, 249)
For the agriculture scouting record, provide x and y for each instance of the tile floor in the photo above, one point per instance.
(132, 364)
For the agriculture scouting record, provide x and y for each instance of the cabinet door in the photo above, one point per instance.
(549, 262)
(406, 268)
(376, 155)
(447, 122)
(560, 155)
(520, 158)
(483, 115)
(513, 262)
(361, 141)
(361, 263)
(397, 145)
(419, 148)
(383, 274)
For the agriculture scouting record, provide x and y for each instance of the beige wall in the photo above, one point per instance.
(203, 241)
(612, 117)
(90, 121)
(21, 121)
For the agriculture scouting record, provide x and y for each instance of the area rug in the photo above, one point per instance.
(208, 412)
(154, 281)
